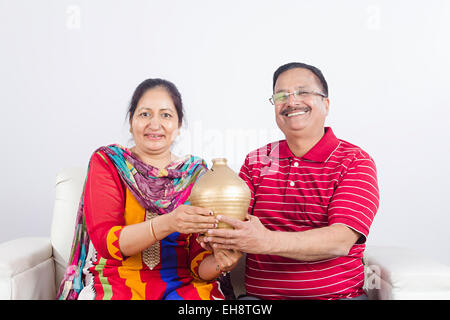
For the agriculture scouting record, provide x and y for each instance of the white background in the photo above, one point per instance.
(68, 70)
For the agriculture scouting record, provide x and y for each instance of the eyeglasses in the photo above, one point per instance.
(282, 97)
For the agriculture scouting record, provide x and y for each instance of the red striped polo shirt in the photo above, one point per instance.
(334, 182)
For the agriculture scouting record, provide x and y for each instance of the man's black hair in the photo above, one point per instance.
(293, 65)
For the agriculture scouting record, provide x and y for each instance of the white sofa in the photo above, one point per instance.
(32, 268)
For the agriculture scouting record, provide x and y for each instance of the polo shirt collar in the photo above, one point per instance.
(319, 153)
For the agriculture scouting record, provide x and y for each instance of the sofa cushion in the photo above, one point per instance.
(409, 274)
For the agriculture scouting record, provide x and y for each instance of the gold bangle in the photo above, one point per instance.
(153, 230)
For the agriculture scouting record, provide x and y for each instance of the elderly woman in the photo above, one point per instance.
(136, 235)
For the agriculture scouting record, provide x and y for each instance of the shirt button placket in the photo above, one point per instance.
(291, 178)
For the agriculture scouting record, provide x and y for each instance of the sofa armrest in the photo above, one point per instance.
(27, 270)
(401, 273)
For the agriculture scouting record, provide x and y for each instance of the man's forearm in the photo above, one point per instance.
(312, 245)
(251, 236)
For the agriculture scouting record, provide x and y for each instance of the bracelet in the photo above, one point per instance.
(153, 230)
(224, 273)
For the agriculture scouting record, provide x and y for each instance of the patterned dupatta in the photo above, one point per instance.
(156, 190)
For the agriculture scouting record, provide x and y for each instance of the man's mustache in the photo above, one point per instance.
(287, 110)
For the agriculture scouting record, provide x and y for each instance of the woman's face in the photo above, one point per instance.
(154, 125)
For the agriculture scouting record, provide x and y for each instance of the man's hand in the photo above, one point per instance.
(248, 236)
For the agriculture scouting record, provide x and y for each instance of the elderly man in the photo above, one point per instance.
(314, 198)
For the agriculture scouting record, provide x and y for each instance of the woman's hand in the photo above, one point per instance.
(226, 259)
(190, 219)
(222, 260)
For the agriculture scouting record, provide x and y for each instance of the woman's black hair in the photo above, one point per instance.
(151, 84)
(293, 65)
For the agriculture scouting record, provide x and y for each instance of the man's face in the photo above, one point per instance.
(303, 115)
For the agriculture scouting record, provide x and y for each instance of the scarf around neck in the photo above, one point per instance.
(157, 190)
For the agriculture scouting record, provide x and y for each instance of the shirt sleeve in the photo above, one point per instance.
(356, 198)
(104, 206)
(246, 175)
(196, 254)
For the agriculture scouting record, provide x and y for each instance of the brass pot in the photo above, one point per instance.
(223, 191)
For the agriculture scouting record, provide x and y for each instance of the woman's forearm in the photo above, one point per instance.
(137, 237)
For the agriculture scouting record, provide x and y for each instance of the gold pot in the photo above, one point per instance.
(223, 191)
